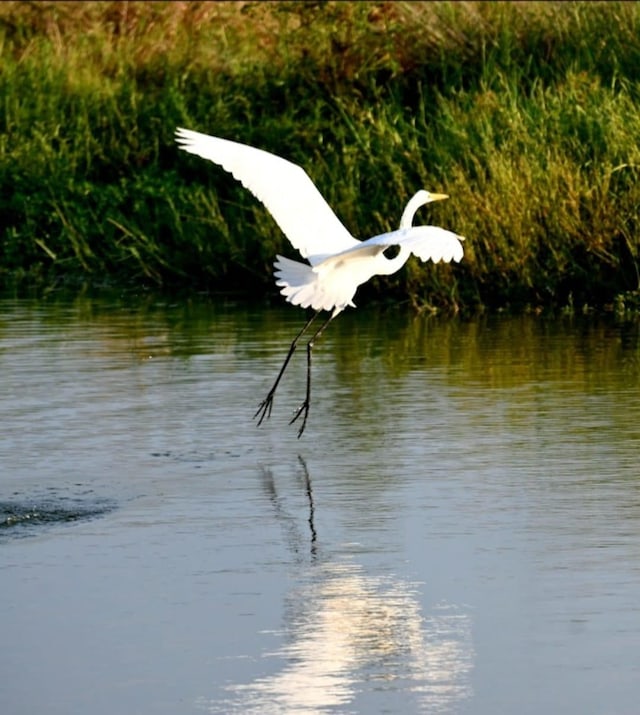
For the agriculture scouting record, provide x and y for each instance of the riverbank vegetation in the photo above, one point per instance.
(526, 113)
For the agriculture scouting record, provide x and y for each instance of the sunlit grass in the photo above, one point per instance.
(526, 113)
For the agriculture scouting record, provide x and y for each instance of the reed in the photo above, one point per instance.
(526, 113)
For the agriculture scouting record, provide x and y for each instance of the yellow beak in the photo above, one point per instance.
(438, 197)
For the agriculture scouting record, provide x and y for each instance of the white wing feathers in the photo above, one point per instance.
(432, 243)
(284, 188)
(428, 243)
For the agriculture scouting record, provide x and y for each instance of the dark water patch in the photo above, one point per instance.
(23, 517)
(197, 457)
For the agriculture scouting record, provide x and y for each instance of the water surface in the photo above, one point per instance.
(457, 531)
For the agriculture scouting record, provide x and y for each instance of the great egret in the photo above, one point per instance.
(337, 262)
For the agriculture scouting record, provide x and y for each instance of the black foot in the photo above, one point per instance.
(264, 410)
(304, 407)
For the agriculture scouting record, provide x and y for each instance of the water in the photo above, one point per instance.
(457, 531)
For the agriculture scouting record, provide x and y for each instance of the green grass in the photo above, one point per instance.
(527, 114)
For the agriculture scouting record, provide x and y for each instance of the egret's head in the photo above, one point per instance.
(420, 198)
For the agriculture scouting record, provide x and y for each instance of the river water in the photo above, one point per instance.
(457, 530)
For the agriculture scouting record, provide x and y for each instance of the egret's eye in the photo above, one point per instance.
(391, 252)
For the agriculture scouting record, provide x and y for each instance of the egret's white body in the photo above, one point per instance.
(337, 262)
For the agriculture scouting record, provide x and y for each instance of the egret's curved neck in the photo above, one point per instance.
(416, 201)
(391, 265)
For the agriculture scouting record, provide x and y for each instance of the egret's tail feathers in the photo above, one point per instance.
(301, 286)
(298, 281)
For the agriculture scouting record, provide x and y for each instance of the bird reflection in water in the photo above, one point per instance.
(290, 523)
(350, 635)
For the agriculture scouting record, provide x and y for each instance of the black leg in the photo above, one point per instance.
(264, 410)
(304, 407)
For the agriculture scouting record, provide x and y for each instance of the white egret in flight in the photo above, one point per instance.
(337, 262)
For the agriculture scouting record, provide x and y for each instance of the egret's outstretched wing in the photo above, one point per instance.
(284, 188)
(428, 243)
(432, 243)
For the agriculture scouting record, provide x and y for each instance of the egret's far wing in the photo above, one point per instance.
(284, 188)
(432, 243)
(428, 243)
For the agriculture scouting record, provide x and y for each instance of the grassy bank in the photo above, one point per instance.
(526, 113)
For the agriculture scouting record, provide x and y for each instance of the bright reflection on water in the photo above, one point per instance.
(344, 627)
(457, 531)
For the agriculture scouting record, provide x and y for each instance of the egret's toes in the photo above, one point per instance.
(264, 410)
(304, 407)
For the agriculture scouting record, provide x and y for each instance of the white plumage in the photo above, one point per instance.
(337, 261)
